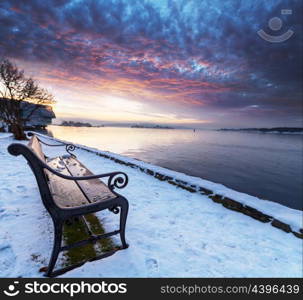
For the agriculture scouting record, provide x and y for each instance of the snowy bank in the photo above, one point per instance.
(171, 232)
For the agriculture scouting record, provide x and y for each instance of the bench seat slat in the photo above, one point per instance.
(66, 193)
(94, 189)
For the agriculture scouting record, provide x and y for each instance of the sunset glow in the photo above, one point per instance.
(179, 62)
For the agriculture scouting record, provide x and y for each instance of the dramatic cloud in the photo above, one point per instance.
(196, 61)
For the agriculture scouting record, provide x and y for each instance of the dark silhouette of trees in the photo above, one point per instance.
(15, 88)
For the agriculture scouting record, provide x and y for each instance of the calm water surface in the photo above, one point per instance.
(268, 166)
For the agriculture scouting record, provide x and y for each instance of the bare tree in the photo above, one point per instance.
(15, 89)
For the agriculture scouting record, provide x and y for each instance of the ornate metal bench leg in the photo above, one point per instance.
(123, 217)
(58, 227)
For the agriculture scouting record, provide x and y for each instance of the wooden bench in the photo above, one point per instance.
(68, 189)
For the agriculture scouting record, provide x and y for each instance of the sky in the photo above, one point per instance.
(189, 63)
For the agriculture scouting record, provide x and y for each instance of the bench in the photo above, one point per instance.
(70, 190)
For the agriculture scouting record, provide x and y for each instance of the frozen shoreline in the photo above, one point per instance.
(171, 232)
(290, 216)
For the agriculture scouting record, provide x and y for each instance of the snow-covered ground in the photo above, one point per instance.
(171, 232)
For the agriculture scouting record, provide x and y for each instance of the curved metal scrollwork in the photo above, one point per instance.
(117, 181)
(70, 147)
(44, 143)
(51, 145)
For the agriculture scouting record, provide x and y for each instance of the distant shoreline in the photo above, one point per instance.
(274, 130)
(152, 127)
(78, 124)
(89, 125)
(281, 130)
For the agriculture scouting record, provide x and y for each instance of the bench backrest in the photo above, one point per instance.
(34, 155)
(41, 174)
(35, 145)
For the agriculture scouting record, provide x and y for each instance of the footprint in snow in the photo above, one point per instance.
(152, 265)
(5, 191)
(204, 245)
(2, 212)
(7, 259)
(21, 188)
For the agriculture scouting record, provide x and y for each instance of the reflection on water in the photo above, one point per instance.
(121, 140)
(265, 165)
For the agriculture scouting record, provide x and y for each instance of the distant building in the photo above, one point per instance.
(39, 116)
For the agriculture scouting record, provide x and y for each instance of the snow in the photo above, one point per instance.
(5, 135)
(171, 232)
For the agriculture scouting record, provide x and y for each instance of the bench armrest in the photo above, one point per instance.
(115, 179)
(68, 147)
